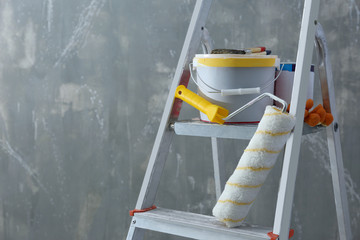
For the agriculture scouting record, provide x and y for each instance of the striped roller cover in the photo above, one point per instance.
(255, 164)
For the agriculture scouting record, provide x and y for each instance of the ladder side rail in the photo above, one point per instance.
(291, 156)
(135, 233)
(333, 136)
(219, 165)
(164, 135)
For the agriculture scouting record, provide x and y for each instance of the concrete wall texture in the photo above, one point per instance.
(82, 89)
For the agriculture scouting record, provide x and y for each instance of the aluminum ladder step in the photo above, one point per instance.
(195, 226)
(238, 131)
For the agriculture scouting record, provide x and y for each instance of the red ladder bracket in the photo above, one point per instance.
(274, 236)
(132, 212)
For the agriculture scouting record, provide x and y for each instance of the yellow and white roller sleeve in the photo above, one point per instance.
(258, 159)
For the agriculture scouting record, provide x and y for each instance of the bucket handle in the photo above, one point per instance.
(223, 92)
(235, 91)
(252, 102)
(191, 67)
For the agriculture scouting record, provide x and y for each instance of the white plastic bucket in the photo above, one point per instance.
(232, 71)
(284, 83)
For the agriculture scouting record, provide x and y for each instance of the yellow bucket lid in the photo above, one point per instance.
(235, 60)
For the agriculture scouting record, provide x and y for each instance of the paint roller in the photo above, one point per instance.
(258, 159)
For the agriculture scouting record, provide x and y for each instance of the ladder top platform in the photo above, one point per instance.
(195, 226)
(238, 131)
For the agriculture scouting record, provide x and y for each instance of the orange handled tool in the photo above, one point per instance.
(214, 112)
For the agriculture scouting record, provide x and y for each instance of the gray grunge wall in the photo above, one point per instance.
(82, 88)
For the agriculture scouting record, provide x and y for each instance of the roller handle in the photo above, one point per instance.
(191, 98)
(213, 112)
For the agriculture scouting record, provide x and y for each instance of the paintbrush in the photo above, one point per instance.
(256, 50)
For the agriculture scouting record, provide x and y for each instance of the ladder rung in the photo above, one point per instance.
(239, 131)
(195, 226)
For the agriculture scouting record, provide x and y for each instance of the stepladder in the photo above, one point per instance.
(195, 226)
